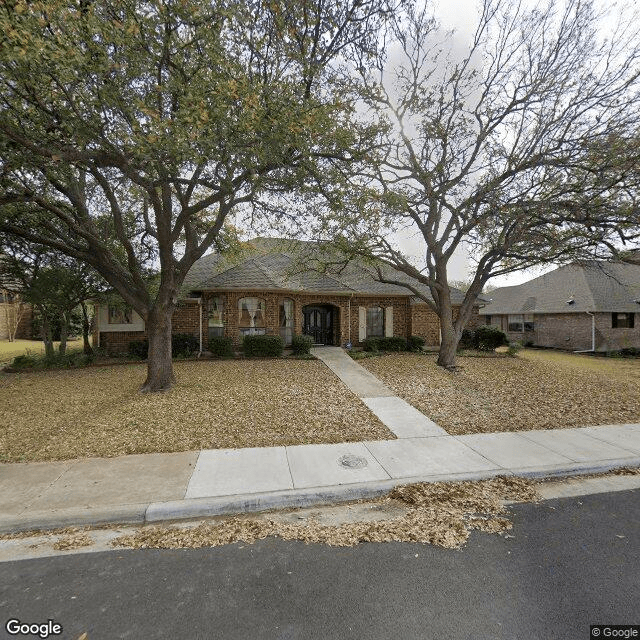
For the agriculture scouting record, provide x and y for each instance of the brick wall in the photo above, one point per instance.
(425, 323)
(341, 305)
(408, 319)
(572, 331)
(185, 320)
(114, 342)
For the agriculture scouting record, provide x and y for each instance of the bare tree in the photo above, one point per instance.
(493, 148)
(14, 311)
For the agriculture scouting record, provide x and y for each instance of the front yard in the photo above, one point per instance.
(536, 390)
(9, 350)
(97, 411)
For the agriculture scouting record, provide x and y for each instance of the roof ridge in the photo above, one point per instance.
(267, 272)
(587, 284)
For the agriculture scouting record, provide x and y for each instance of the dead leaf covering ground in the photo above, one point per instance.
(439, 513)
(510, 394)
(58, 415)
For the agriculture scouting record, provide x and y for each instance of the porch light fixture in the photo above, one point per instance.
(571, 301)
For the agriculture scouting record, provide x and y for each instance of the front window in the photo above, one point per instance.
(622, 320)
(515, 323)
(251, 320)
(528, 322)
(375, 322)
(119, 315)
(215, 313)
(286, 320)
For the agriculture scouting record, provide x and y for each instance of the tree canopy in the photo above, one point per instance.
(131, 129)
(521, 147)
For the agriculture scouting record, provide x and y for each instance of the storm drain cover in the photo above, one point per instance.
(352, 462)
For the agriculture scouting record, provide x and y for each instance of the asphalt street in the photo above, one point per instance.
(570, 563)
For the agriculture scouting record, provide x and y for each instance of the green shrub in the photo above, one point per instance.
(26, 361)
(221, 347)
(184, 344)
(467, 340)
(415, 343)
(301, 345)
(262, 346)
(139, 349)
(395, 343)
(385, 344)
(487, 338)
(513, 349)
(371, 344)
(56, 361)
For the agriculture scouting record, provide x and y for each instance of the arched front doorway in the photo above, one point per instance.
(320, 322)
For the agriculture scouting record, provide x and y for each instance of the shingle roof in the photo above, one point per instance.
(293, 265)
(593, 286)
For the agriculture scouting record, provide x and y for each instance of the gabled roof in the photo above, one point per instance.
(294, 265)
(593, 286)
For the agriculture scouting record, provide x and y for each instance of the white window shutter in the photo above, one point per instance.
(362, 323)
(388, 322)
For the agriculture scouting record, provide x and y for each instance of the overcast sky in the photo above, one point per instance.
(462, 16)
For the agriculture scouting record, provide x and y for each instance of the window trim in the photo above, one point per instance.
(125, 317)
(516, 323)
(382, 317)
(286, 329)
(629, 322)
(252, 328)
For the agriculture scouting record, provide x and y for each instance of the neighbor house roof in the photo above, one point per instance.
(593, 286)
(292, 265)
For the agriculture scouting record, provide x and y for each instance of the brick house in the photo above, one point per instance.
(15, 316)
(588, 306)
(277, 287)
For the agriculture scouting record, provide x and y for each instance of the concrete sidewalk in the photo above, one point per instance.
(155, 487)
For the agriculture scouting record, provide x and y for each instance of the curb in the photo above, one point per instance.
(46, 520)
(156, 512)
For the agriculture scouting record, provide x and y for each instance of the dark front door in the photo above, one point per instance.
(318, 323)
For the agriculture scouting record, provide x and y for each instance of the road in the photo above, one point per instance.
(571, 563)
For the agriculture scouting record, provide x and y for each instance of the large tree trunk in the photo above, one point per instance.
(448, 342)
(47, 338)
(86, 326)
(64, 331)
(159, 364)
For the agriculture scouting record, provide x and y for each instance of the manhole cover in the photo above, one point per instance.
(352, 462)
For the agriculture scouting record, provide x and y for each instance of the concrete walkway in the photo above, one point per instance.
(155, 487)
(395, 413)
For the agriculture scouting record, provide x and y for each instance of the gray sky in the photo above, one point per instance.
(462, 17)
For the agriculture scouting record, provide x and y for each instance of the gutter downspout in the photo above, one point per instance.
(200, 306)
(349, 320)
(593, 334)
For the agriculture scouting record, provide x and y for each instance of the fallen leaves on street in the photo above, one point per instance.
(439, 513)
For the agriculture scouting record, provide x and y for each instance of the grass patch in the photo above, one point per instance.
(10, 350)
(98, 411)
(535, 390)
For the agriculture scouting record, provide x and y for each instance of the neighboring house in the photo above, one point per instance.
(15, 316)
(582, 307)
(265, 290)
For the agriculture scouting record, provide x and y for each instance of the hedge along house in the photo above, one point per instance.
(590, 306)
(272, 286)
